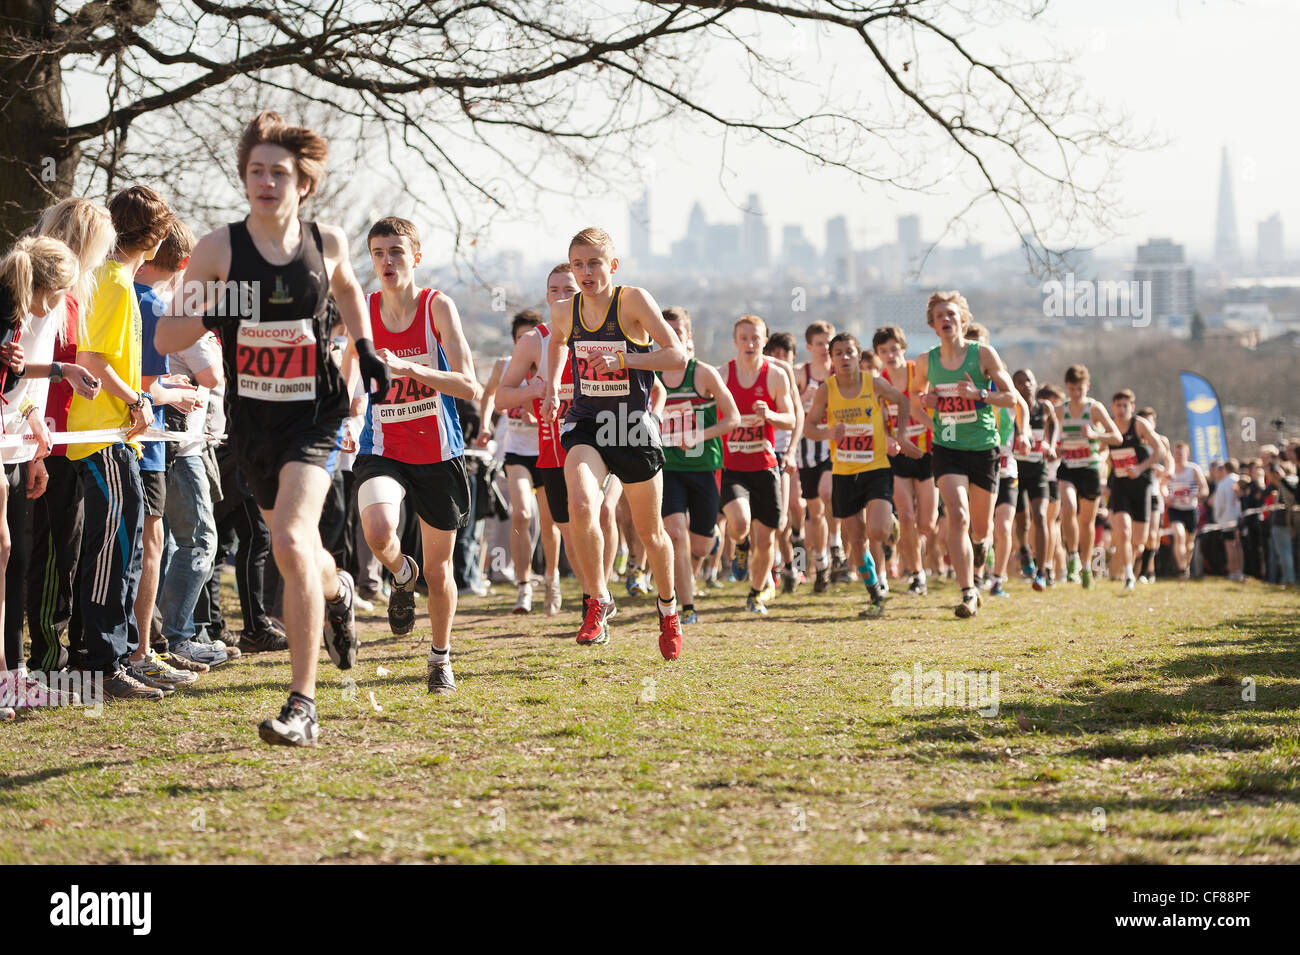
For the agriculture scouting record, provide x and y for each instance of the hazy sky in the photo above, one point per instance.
(1201, 73)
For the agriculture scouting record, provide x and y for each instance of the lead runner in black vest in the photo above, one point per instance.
(287, 400)
(608, 333)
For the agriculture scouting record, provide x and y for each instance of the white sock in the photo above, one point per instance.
(667, 608)
(822, 561)
(407, 572)
(440, 656)
(835, 540)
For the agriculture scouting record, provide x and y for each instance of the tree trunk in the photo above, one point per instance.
(37, 165)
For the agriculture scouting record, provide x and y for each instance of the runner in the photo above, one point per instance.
(523, 477)
(1155, 526)
(411, 444)
(1034, 496)
(861, 476)
(751, 482)
(288, 401)
(780, 349)
(915, 495)
(815, 456)
(1085, 425)
(1131, 463)
(698, 410)
(1056, 559)
(608, 428)
(1187, 489)
(955, 378)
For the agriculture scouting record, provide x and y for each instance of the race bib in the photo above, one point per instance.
(858, 446)
(1182, 496)
(892, 412)
(749, 437)
(952, 408)
(1123, 458)
(408, 399)
(276, 361)
(518, 421)
(596, 382)
(1006, 463)
(680, 426)
(1035, 452)
(1075, 453)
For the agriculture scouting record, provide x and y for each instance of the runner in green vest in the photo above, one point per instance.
(955, 381)
(692, 438)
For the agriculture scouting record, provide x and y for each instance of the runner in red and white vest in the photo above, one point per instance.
(751, 486)
(411, 444)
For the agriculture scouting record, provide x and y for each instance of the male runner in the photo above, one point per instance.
(610, 332)
(1131, 462)
(1147, 572)
(846, 412)
(1033, 498)
(815, 457)
(288, 402)
(751, 485)
(915, 495)
(698, 411)
(411, 443)
(956, 378)
(780, 349)
(1187, 489)
(1084, 426)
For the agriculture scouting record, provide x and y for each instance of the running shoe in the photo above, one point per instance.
(209, 655)
(1051, 577)
(970, 603)
(181, 663)
(554, 598)
(1040, 583)
(690, 617)
(1085, 578)
(154, 671)
(883, 583)
(262, 641)
(789, 582)
(440, 680)
(877, 606)
(295, 726)
(637, 585)
(822, 581)
(768, 593)
(917, 587)
(754, 605)
(620, 563)
(593, 630)
(670, 636)
(1072, 569)
(740, 563)
(997, 591)
(839, 566)
(1028, 568)
(40, 693)
(401, 602)
(524, 598)
(1130, 585)
(341, 625)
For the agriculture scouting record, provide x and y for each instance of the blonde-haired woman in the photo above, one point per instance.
(56, 515)
(35, 276)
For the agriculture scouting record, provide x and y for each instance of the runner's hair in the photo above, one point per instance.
(889, 333)
(817, 328)
(954, 297)
(141, 218)
(596, 238)
(395, 225)
(175, 248)
(750, 320)
(310, 149)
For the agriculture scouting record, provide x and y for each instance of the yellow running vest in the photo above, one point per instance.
(863, 447)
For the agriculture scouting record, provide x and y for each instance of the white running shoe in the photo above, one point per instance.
(554, 599)
(524, 602)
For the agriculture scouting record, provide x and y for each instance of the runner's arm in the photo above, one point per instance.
(709, 382)
(1006, 395)
(459, 380)
(670, 355)
(344, 287)
(814, 428)
(183, 325)
(557, 353)
(780, 416)
(512, 392)
(889, 393)
(1110, 431)
(1148, 434)
(487, 405)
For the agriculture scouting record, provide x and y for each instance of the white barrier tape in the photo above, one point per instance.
(113, 435)
(1233, 525)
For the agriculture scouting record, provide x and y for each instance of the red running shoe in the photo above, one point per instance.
(593, 629)
(670, 636)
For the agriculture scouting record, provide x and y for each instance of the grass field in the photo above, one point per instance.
(1121, 736)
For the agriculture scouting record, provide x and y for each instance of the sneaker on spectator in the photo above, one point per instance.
(199, 653)
(123, 686)
(155, 671)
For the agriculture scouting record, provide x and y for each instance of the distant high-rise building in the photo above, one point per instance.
(722, 248)
(1172, 290)
(796, 251)
(909, 241)
(1270, 252)
(1227, 252)
(839, 252)
(638, 228)
(755, 244)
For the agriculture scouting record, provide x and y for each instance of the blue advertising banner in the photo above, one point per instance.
(1204, 420)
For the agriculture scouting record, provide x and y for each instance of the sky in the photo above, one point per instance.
(1198, 74)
